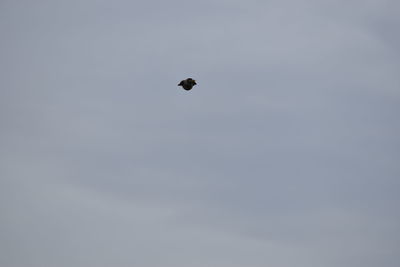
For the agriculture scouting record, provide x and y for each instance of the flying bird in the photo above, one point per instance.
(187, 84)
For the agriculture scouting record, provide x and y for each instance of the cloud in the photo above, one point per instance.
(284, 154)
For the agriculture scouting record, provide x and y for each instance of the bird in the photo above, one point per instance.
(187, 84)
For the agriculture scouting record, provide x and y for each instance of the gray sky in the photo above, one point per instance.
(285, 154)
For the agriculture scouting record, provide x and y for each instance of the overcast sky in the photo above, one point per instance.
(285, 154)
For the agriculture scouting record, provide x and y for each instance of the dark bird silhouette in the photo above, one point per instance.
(187, 84)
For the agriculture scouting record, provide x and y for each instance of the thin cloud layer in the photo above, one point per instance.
(284, 154)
